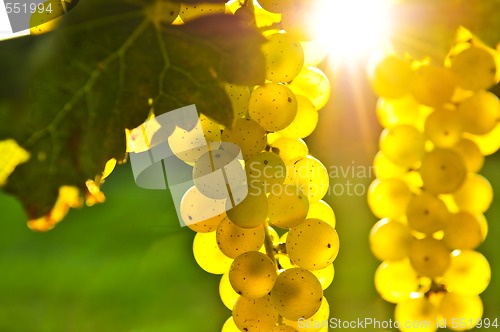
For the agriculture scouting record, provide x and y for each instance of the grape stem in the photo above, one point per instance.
(269, 245)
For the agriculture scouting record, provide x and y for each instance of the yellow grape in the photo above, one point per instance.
(239, 97)
(429, 257)
(200, 213)
(416, 311)
(401, 111)
(463, 231)
(389, 198)
(433, 86)
(480, 113)
(472, 155)
(396, 281)
(391, 77)
(475, 195)
(311, 176)
(234, 240)
(248, 135)
(443, 171)
(208, 255)
(386, 169)
(404, 145)
(489, 143)
(313, 84)
(312, 245)
(475, 68)
(273, 106)
(284, 57)
(325, 276)
(469, 273)
(390, 240)
(252, 275)
(252, 211)
(265, 170)
(427, 213)
(443, 128)
(230, 326)
(305, 120)
(276, 6)
(321, 210)
(290, 150)
(296, 294)
(468, 308)
(191, 11)
(255, 315)
(227, 294)
(288, 206)
(313, 324)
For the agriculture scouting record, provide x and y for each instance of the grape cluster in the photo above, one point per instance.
(276, 246)
(439, 123)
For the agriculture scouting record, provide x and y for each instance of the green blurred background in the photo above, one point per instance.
(126, 265)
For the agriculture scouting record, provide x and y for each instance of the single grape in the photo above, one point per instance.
(200, 213)
(191, 11)
(284, 57)
(463, 231)
(391, 77)
(480, 113)
(469, 273)
(433, 86)
(252, 211)
(325, 276)
(396, 281)
(288, 206)
(305, 120)
(389, 198)
(296, 294)
(255, 315)
(404, 145)
(311, 176)
(313, 324)
(443, 171)
(234, 240)
(416, 311)
(475, 195)
(443, 128)
(427, 213)
(290, 150)
(475, 68)
(248, 135)
(252, 275)
(313, 244)
(472, 155)
(462, 308)
(390, 240)
(227, 294)
(321, 210)
(313, 84)
(208, 255)
(429, 257)
(273, 106)
(265, 170)
(401, 111)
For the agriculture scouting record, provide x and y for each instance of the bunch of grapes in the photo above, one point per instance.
(439, 123)
(275, 246)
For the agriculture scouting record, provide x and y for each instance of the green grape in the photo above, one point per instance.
(163, 12)
(230, 326)
(273, 106)
(475, 195)
(325, 275)
(288, 206)
(227, 294)
(276, 6)
(443, 171)
(443, 128)
(252, 211)
(472, 155)
(489, 143)
(305, 120)
(248, 135)
(475, 68)
(312, 245)
(239, 97)
(313, 324)
(404, 145)
(283, 328)
(427, 213)
(208, 255)
(234, 240)
(311, 176)
(252, 274)
(200, 213)
(469, 273)
(321, 210)
(416, 311)
(390, 240)
(468, 308)
(389, 198)
(396, 281)
(313, 84)
(429, 257)
(433, 86)
(480, 113)
(296, 294)
(391, 77)
(386, 169)
(284, 57)
(463, 231)
(191, 11)
(255, 315)
(265, 170)
(401, 111)
(290, 150)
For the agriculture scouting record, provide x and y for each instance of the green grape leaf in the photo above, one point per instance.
(103, 70)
